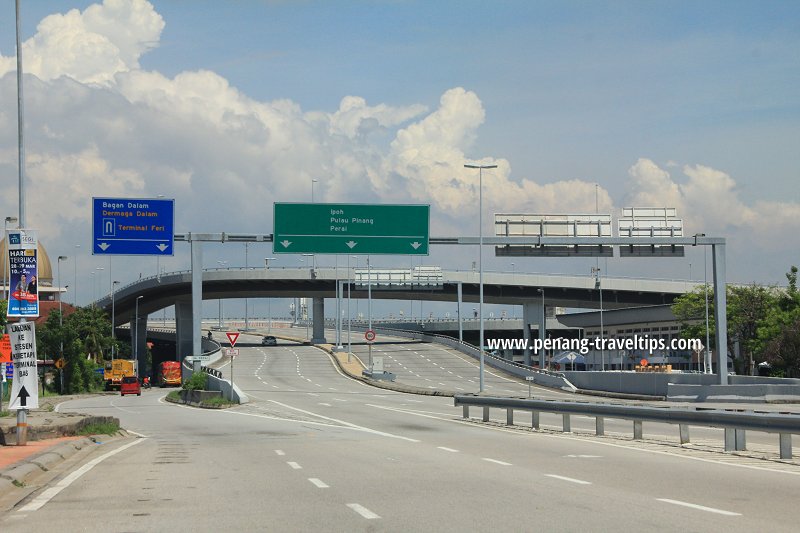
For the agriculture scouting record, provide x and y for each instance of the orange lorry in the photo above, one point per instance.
(170, 375)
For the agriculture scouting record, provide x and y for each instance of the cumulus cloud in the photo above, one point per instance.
(102, 126)
(709, 202)
(90, 46)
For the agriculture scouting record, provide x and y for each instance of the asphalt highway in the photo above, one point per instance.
(317, 451)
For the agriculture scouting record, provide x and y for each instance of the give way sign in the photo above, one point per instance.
(233, 336)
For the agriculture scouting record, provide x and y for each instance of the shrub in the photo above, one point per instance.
(196, 382)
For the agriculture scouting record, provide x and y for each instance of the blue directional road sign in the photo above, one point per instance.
(126, 226)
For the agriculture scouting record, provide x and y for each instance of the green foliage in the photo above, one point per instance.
(198, 381)
(3, 312)
(102, 428)
(217, 401)
(763, 319)
(85, 336)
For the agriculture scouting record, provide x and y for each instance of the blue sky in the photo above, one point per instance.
(690, 104)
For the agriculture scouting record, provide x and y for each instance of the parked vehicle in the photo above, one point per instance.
(117, 370)
(130, 385)
(170, 374)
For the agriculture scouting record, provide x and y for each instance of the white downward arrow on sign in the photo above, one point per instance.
(351, 244)
(286, 243)
(103, 246)
(162, 246)
(415, 245)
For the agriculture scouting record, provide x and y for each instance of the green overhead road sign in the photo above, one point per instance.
(351, 229)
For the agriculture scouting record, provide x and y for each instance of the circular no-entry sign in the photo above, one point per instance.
(369, 335)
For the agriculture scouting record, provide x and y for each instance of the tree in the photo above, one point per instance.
(747, 308)
(783, 352)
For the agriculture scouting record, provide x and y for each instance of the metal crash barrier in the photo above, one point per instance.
(734, 422)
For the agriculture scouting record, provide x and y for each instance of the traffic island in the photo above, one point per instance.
(205, 399)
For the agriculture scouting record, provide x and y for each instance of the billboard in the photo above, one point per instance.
(23, 296)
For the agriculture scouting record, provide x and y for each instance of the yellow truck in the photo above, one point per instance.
(116, 370)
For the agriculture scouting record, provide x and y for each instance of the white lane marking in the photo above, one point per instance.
(50, 493)
(447, 449)
(363, 511)
(318, 483)
(698, 507)
(280, 452)
(347, 424)
(585, 456)
(570, 479)
(503, 463)
(339, 400)
(294, 465)
(325, 404)
(136, 433)
(313, 394)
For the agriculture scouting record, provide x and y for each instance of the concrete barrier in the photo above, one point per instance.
(766, 393)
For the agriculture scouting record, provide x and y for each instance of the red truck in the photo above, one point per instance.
(170, 375)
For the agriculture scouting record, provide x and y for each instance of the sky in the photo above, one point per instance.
(228, 107)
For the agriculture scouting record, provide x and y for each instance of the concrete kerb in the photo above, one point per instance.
(350, 369)
(19, 474)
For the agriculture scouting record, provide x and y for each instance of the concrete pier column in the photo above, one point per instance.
(533, 313)
(318, 333)
(184, 329)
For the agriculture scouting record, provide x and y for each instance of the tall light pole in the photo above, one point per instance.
(113, 336)
(75, 266)
(599, 285)
(5, 258)
(269, 300)
(480, 259)
(246, 317)
(222, 265)
(542, 330)
(313, 257)
(136, 333)
(60, 318)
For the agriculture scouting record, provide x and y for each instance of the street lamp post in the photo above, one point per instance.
(75, 267)
(313, 257)
(136, 333)
(480, 259)
(542, 329)
(598, 285)
(246, 316)
(269, 300)
(60, 319)
(222, 265)
(113, 336)
(5, 258)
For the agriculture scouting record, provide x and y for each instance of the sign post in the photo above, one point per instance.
(233, 336)
(25, 389)
(351, 229)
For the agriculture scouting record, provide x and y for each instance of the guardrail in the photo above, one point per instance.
(734, 422)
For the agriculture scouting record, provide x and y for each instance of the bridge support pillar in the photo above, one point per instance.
(183, 329)
(533, 313)
(318, 333)
(139, 342)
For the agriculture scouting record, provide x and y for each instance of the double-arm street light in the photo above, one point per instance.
(480, 259)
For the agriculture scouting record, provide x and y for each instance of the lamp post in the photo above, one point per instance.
(313, 258)
(480, 259)
(246, 316)
(269, 300)
(136, 333)
(113, 336)
(542, 329)
(60, 319)
(95, 290)
(75, 266)
(599, 286)
(5, 258)
(219, 300)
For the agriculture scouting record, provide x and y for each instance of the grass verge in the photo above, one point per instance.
(104, 428)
